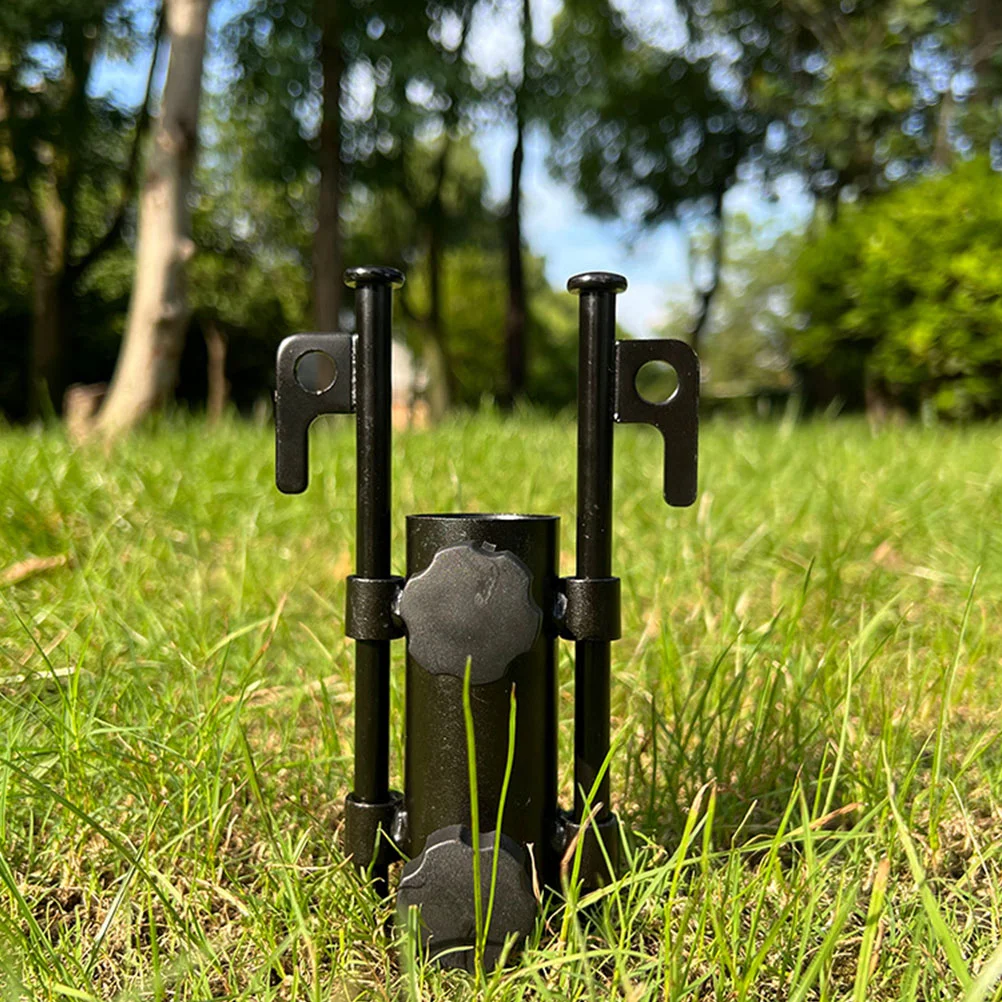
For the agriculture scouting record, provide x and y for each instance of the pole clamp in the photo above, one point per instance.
(369, 608)
(588, 609)
(369, 830)
(597, 842)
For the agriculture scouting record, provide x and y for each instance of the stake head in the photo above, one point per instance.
(370, 274)
(596, 281)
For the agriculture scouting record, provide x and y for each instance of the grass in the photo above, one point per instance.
(806, 708)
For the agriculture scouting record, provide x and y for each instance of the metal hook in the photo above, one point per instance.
(296, 406)
(677, 418)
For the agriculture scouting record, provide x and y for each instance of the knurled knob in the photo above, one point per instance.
(439, 882)
(471, 602)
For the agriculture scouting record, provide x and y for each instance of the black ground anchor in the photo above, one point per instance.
(481, 594)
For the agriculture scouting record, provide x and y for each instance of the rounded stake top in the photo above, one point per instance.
(596, 281)
(373, 275)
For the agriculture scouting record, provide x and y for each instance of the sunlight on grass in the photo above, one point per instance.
(806, 703)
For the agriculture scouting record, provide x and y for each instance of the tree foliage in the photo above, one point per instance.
(68, 162)
(745, 349)
(855, 95)
(905, 293)
(653, 113)
(638, 129)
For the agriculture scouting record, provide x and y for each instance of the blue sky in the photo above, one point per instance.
(655, 260)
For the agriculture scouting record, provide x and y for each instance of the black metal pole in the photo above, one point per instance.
(373, 403)
(596, 370)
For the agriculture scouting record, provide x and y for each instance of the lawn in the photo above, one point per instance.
(806, 707)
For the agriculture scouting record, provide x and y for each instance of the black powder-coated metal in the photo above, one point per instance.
(369, 832)
(369, 605)
(597, 841)
(361, 383)
(677, 418)
(373, 401)
(437, 790)
(596, 372)
(296, 407)
(484, 588)
(590, 609)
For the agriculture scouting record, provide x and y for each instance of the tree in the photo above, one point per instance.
(852, 97)
(642, 132)
(328, 88)
(745, 348)
(474, 295)
(857, 96)
(442, 184)
(328, 264)
(148, 364)
(515, 313)
(902, 297)
(68, 159)
(248, 283)
(405, 104)
(428, 217)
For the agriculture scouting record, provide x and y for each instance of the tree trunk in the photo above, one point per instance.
(56, 211)
(80, 403)
(942, 151)
(515, 317)
(440, 389)
(148, 363)
(986, 42)
(327, 262)
(218, 395)
(437, 368)
(130, 178)
(716, 265)
(437, 362)
(48, 371)
(48, 299)
(441, 375)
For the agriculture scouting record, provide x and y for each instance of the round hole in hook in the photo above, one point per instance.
(315, 371)
(656, 382)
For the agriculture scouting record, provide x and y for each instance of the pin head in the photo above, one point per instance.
(373, 275)
(596, 281)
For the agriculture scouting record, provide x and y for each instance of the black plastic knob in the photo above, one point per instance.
(472, 602)
(439, 882)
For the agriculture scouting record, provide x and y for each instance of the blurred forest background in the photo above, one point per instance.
(164, 231)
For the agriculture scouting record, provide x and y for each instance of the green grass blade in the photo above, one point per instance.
(471, 769)
(874, 913)
(940, 929)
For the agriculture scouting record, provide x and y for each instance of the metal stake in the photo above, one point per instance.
(374, 427)
(596, 380)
